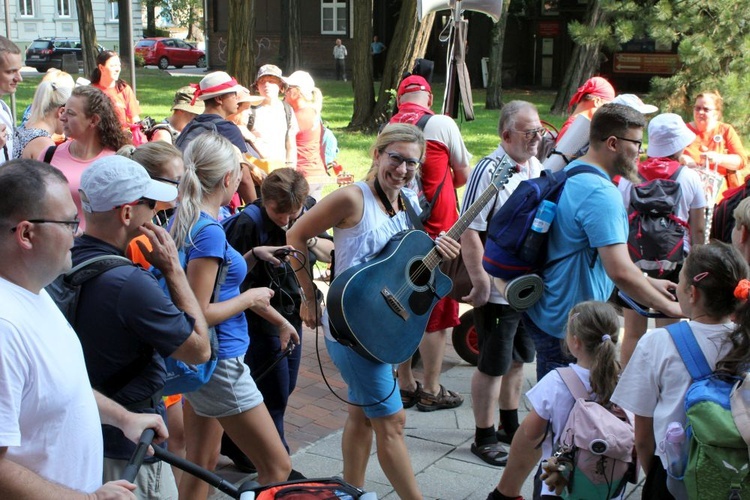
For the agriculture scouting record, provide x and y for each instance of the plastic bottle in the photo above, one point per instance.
(534, 241)
(676, 450)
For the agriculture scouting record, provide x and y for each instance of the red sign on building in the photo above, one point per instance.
(548, 29)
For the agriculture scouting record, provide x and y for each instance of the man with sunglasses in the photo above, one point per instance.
(125, 321)
(50, 419)
(444, 168)
(587, 248)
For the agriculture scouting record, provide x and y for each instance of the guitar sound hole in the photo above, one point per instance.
(419, 274)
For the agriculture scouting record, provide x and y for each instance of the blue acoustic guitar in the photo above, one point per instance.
(380, 308)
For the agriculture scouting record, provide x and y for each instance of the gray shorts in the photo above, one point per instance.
(154, 481)
(230, 391)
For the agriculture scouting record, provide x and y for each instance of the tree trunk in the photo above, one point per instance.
(584, 61)
(362, 79)
(150, 18)
(494, 99)
(88, 35)
(408, 44)
(289, 49)
(241, 44)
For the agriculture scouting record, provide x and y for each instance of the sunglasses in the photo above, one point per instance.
(143, 201)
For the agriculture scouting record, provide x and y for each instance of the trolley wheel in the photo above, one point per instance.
(465, 340)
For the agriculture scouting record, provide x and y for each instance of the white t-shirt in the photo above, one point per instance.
(270, 128)
(553, 402)
(480, 179)
(692, 197)
(6, 118)
(48, 415)
(656, 380)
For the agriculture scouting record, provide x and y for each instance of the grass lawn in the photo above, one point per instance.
(155, 90)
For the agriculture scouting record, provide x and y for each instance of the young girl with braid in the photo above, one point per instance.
(591, 337)
(713, 290)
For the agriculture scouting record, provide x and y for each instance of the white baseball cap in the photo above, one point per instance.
(667, 135)
(635, 102)
(114, 180)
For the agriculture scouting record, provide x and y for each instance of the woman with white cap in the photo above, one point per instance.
(307, 102)
(668, 136)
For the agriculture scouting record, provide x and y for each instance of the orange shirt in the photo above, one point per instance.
(721, 139)
(124, 101)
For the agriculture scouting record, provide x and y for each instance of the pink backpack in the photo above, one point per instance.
(600, 443)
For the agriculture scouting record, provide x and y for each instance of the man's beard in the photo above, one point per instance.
(627, 168)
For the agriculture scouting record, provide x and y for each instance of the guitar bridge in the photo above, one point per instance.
(394, 304)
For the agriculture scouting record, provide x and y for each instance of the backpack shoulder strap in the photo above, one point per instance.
(573, 383)
(253, 211)
(93, 267)
(49, 154)
(585, 169)
(676, 173)
(738, 402)
(422, 122)
(689, 350)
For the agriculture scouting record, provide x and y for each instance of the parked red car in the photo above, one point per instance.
(165, 52)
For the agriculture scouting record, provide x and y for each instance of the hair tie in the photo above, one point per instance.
(606, 338)
(742, 290)
(54, 86)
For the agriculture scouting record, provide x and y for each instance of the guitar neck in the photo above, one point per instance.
(433, 258)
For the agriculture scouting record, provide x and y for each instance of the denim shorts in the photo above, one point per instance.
(230, 391)
(370, 384)
(502, 339)
(549, 349)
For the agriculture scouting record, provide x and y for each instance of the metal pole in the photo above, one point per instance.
(7, 34)
(205, 33)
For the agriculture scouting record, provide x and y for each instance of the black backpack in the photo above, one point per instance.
(722, 221)
(193, 130)
(66, 288)
(656, 238)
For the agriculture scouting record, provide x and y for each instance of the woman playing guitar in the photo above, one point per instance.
(364, 216)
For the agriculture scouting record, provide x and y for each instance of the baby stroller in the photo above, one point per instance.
(332, 488)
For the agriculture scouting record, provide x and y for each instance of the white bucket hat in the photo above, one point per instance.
(667, 135)
(635, 102)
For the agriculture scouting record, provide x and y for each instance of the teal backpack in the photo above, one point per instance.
(718, 457)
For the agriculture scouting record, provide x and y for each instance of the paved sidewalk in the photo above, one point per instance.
(438, 442)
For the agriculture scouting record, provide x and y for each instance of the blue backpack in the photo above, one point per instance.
(511, 224)
(185, 377)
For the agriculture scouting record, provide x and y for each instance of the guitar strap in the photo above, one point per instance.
(402, 205)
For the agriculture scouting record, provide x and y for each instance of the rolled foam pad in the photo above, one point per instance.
(522, 292)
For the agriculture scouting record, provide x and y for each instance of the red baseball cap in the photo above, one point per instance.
(413, 83)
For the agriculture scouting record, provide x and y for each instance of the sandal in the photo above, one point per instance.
(443, 400)
(503, 436)
(494, 454)
(410, 398)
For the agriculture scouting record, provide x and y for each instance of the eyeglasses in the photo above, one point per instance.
(396, 160)
(168, 181)
(143, 201)
(72, 224)
(704, 109)
(530, 134)
(637, 143)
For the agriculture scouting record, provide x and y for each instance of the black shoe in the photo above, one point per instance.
(232, 451)
(296, 475)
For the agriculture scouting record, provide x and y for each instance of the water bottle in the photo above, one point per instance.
(676, 450)
(536, 238)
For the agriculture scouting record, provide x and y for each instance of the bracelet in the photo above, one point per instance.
(314, 240)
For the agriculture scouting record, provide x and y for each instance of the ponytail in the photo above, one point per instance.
(597, 327)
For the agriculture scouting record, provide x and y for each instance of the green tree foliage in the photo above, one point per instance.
(182, 13)
(713, 38)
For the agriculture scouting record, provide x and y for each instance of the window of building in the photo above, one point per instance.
(113, 11)
(63, 8)
(26, 8)
(333, 16)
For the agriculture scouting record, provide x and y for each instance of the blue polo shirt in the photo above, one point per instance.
(590, 215)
